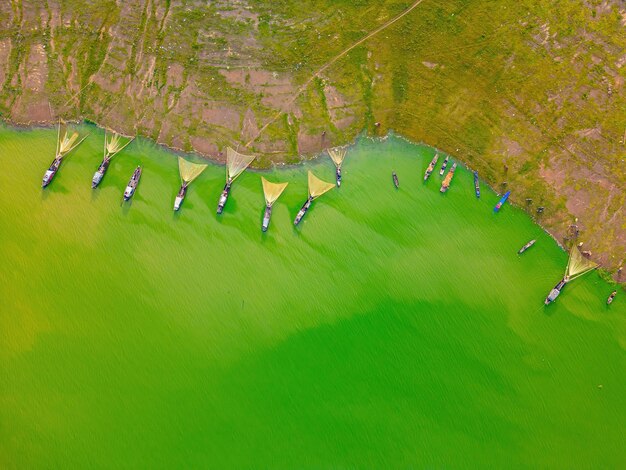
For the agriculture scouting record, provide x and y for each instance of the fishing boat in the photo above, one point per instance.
(476, 185)
(444, 165)
(577, 266)
(448, 179)
(224, 196)
(51, 171)
(99, 174)
(189, 171)
(431, 166)
(303, 210)
(64, 146)
(502, 201)
(609, 301)
(236, 163)
(526, 247)
(337, 155)
(554, 293)
(113, 145)
(180, 197)
(272, 192)
(317, 187)
(396, 183)
(132, 184)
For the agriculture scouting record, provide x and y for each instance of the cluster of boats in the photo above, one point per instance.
(445, 185)
(237, 163)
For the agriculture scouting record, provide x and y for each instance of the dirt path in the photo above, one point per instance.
(331, 62)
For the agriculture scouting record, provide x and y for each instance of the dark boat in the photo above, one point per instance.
(99, 174)
(396, 183)
(266, 218)
(180, 197)
(51, 171)
(303, 210)
(526, 247)
(132, 184)
(431, 166)
(502, 201)
(554, 293)
(443, 166)
(609, 301)
(476, 185)
(224, 196)
(338, 176)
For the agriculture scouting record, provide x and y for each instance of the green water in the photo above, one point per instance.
(391, 329)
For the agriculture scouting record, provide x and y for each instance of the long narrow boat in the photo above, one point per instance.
(502, 201)
(526, 247)
(444, 166)
(51, 171)
(99, 174)
(448, 179)
(431, 167)
(609, 301)
(396, 183)
(476, 185)
(224, 196)
(132, 184)
(303, 210)
(554, 293)
(180, 197)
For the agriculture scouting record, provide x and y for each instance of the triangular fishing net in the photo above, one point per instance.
(272, 190)
(317, 187)
(578, 264)
(66, 143)
(337, 155)
(189, 171)
(236, 162)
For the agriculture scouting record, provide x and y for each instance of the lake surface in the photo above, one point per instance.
(392, 328)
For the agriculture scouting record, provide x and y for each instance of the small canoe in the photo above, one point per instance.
(526, 247)
(476, 185)
(609, 301)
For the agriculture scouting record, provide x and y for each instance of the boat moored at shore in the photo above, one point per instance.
(445, 185)
(476, 185)
(431, 166)
(502, 201)
(444, 165)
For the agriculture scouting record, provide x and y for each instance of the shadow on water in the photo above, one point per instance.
(95, 193)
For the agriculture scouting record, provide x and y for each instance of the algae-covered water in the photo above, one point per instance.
(393, 328)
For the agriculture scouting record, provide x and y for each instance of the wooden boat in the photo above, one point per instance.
(396, 183)
(132, 184)
(224, 196)
(526, 247)
(431, 167)
(51, 171)
(476, 185)
(99, 174)
(444, 165)
(448, 179)
(502, 201)
(303, 211)
(180, 197)
(609, 301)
